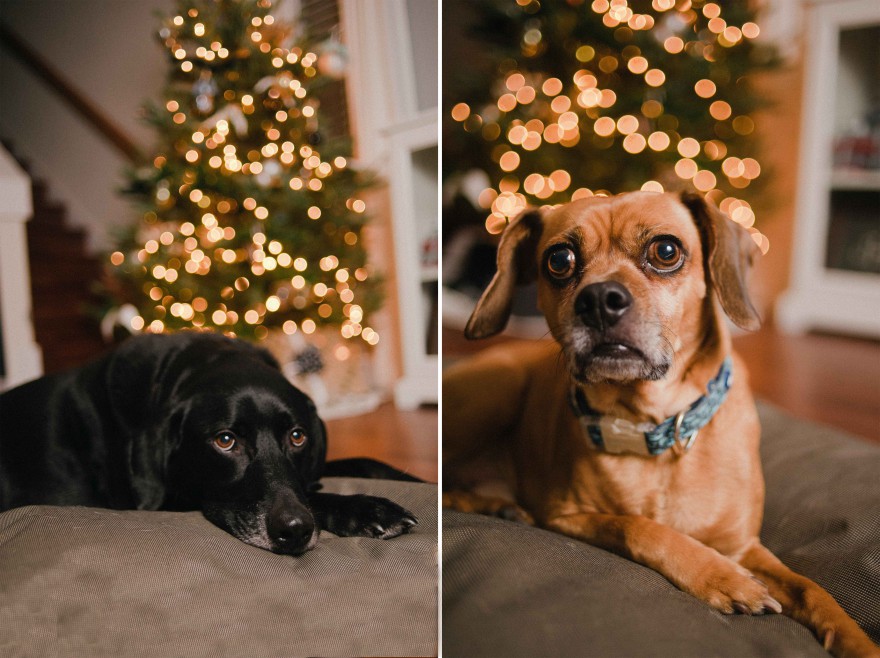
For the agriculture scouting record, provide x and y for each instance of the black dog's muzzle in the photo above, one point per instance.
(290, 525)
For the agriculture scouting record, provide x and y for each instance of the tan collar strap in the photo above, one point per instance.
(617, 435)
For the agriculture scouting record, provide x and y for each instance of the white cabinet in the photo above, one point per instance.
(414, 191)
(836, 252)
(393, 87)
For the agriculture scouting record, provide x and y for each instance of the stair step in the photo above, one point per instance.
(40, 192)
(47, 231)
(63, 271)
(71, 356)
(78, 276)
(57, 336)
(71, 310)
(58, 247)
(53, 216)
(76, 316)
(55, 289)
(71, 257)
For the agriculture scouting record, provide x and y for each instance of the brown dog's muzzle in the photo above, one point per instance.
(602, 305)
(611, 340)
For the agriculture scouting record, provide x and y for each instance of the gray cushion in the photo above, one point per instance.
(514, 590)
(78, 581)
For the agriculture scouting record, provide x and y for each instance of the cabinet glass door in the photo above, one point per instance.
(853, 240)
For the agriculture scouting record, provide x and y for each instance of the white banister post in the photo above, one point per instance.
(22, 357)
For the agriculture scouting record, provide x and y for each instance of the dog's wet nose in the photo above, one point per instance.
(291, 529)
(601, 305)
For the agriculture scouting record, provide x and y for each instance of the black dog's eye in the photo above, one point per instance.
(561, 263)
(665, 255)
(297, 438)
(224, 441)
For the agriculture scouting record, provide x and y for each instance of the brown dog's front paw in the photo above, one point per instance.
(731, 589)
(465, 501)
(512, 512)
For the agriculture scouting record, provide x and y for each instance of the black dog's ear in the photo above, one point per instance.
(139, 388)
(516, 265)
(317, 455)
(729, 251)
(260, 353)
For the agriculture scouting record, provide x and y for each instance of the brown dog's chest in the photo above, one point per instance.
(713, 492)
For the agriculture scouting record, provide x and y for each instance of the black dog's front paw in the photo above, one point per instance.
(361, 516)
(383, 519)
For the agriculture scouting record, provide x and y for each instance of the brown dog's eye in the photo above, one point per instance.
(665, 255)
(224, 441)
(297, 438)
(561, 263)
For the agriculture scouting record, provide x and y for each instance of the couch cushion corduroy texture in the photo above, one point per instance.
(512, 590)
(80, 581)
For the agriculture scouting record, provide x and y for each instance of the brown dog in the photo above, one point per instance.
(641, 436)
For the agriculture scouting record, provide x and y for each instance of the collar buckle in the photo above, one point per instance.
(681, 445)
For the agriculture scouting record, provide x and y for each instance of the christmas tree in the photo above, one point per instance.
(566, 99)
(251, 215)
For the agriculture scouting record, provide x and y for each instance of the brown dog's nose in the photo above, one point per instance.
(601, 305)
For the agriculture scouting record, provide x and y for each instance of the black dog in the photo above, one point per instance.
(191, 421)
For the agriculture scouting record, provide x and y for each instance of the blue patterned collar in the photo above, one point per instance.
(616, 435)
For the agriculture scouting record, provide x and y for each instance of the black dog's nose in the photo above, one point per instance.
(290, 528)
(601, 305)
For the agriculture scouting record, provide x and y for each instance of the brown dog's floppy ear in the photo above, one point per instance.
(516, 265)
(729, 251)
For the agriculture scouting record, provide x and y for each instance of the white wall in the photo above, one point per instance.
(106, 49)
(422, 21)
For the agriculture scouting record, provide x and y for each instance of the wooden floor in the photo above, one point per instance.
(406, 440)
(827, 379)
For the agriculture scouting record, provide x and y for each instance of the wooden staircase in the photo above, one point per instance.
(62, 280)
(62, 273)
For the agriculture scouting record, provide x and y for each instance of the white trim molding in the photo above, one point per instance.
(21, 355)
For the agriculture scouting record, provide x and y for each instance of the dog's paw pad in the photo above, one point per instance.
(732, 589)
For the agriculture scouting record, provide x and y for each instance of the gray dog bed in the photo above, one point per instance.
(78, 581)
(512, 590)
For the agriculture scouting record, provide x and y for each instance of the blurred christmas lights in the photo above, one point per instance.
(239, 216)
(534, 107)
